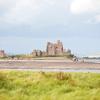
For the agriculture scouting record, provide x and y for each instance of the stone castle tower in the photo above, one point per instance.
(54, 48)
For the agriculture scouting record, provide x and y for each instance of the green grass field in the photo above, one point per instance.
(28, 85)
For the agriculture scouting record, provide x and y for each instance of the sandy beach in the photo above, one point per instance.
(31, 64)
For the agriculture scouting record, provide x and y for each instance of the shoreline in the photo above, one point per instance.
(47, 64)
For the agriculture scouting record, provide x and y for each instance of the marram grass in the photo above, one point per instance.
(28, 85)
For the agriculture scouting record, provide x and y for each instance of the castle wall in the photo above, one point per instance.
(2, 53)
(55, 49)
(52, 49)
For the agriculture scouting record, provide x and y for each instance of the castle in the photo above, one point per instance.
(2, 53)
(52, 49)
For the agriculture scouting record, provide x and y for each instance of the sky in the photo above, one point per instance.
(29, 24)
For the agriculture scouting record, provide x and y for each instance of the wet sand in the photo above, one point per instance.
(38, 64)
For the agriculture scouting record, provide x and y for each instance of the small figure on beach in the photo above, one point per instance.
(75, 59)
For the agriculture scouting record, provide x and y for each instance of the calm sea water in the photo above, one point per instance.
(92, 60)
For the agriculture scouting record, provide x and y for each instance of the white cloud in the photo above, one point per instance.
(22, 10)
(6, 5)
(85, 6)
(93, 20)
(25, 11)
(97, 18)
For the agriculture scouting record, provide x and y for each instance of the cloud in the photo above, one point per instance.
(90, 9)
(93, 20)
(85, 6)
(22, 11)
(26, 11)
(97, 18)
(6, 5)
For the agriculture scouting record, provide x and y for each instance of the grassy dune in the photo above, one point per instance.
(20, 85)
